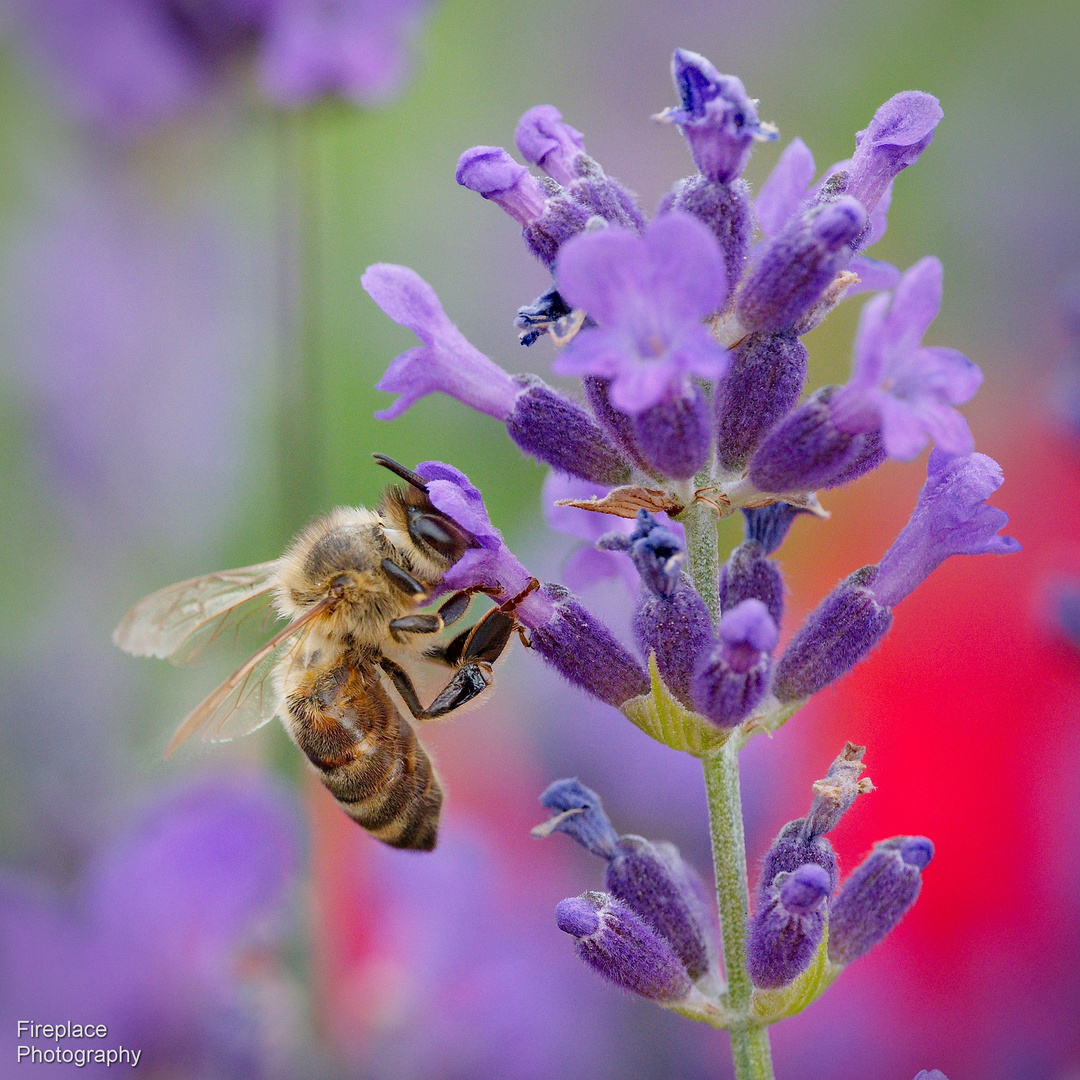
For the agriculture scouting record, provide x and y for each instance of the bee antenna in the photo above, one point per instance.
(400, 470)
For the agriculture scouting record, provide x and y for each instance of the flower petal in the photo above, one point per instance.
(785, 189)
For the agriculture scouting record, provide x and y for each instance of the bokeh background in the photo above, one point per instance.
(187, 366)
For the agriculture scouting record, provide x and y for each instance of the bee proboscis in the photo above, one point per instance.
(351, 586)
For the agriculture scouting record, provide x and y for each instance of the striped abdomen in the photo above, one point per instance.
(366, 753)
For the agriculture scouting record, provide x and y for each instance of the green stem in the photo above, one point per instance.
(749, 1042)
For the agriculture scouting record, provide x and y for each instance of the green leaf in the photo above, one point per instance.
(667, 720)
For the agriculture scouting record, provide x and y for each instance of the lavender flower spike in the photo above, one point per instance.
(621, 947)
(733, 676)
(787, 928)
(543, 422)
(900, 386)
(877, 896)
(716, 116)
(898, 134)
(950, 518)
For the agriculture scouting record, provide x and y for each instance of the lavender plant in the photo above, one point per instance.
(686, 333)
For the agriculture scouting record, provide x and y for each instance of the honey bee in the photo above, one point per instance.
(351, 586)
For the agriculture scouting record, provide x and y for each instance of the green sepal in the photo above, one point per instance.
(667, 720)
(769, 1006)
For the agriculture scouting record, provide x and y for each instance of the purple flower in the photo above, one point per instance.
(898, 134)
(731, 678)
(540, 420)
(621, 947)
(149, 947)
(352, 49)
(125, 66)
(564, 633)
(650, 878)
(543, 139)
(950, 518)
(901, 386)
(787, 927)
(649, 295)
(877, 896)
(446, 362)
(716, 116)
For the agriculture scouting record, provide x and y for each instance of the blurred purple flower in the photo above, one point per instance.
(649, 294)
(476, 957)
(128, 351)
(149, 943)
(905, 388)
(125, 66)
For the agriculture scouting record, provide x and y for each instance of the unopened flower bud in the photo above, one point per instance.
(807, 451)
(877, 896)
(675, 435)
(749, 574)
(552, 427)
(796, 267)
(585, 652)
(733, 676)
(651, 878)
(837, 634)
(794, 847)
(621, 947)
(725, 208)
(898, 134)
(671, 620)
(787, 928)
(619, 426)
(762, 385)
(491, 172)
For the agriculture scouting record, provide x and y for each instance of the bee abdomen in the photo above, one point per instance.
(367, 755)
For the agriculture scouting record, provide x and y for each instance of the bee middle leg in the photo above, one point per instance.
(450, 612)
(468, 683)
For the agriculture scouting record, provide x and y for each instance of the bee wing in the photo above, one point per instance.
(180, 622)
(248, 698)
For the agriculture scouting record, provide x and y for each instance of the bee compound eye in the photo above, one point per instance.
(436, 533)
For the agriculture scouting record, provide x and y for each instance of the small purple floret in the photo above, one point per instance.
(543, 139)
(837, 634)
(446, 362)
(620, 946)
(649, 295)
(749, 574)
(900, 386)
(580, 814)
(877, 896)
(717, 117)
(795, 846)
(793, 269)
(769, 525)
(656, 551)
(491, 172)
(931, 1074)
(950, 518)
(732, 677)
(787, 928)
(898, 134)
